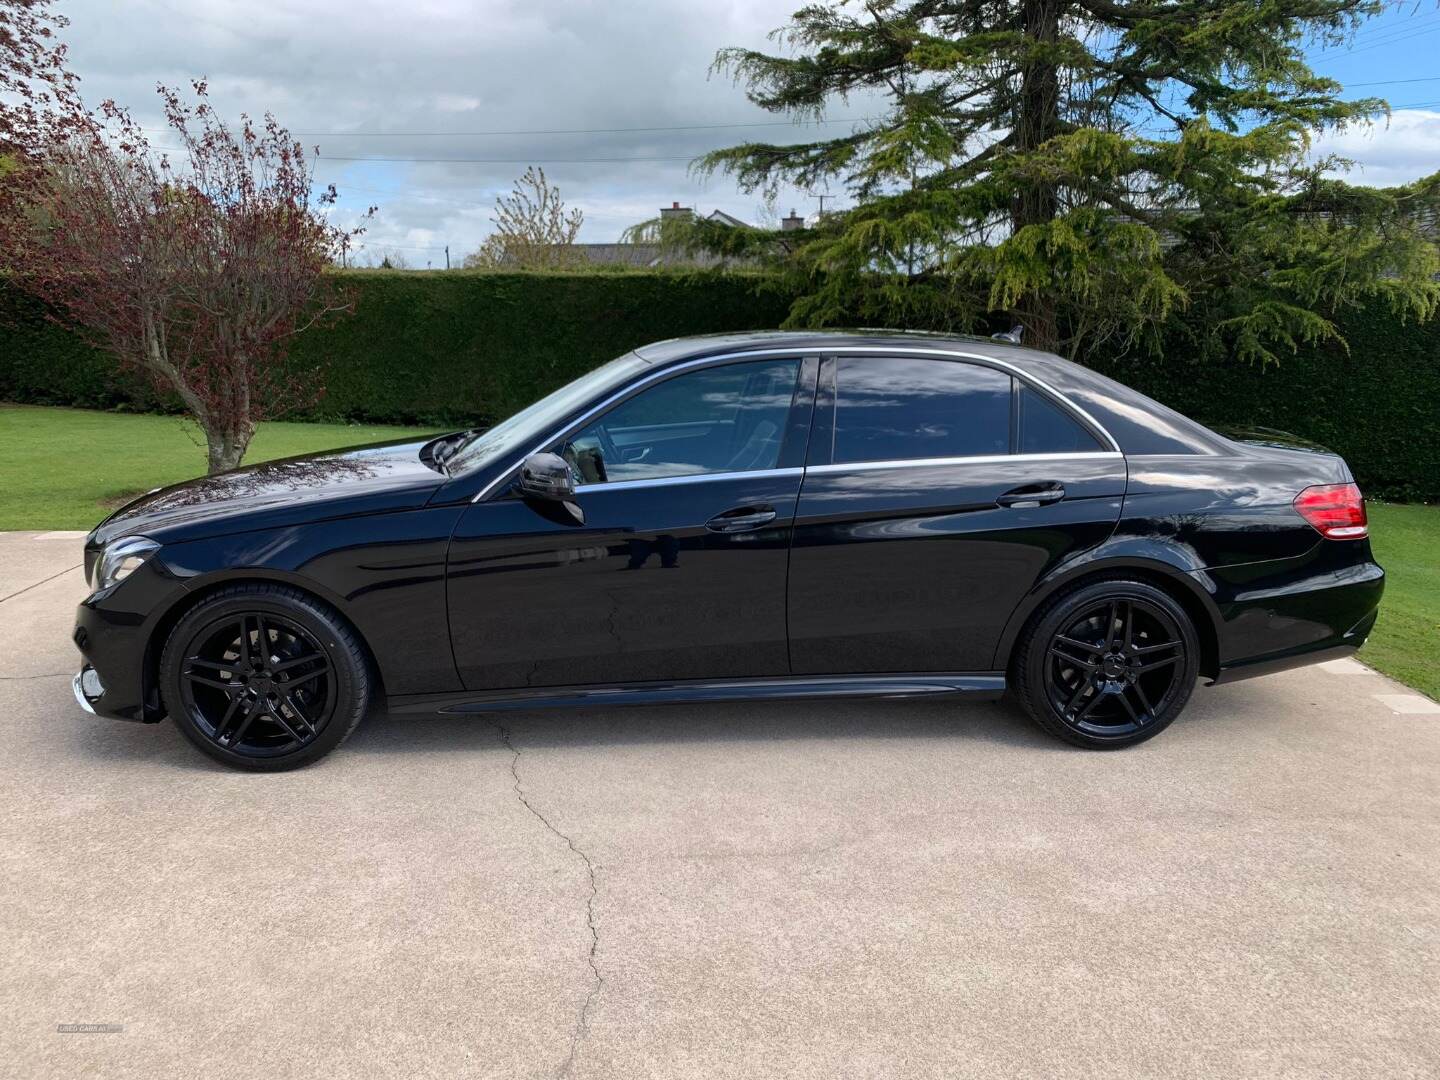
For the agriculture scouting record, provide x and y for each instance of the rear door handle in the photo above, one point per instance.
(1032, 495)
(741, 519)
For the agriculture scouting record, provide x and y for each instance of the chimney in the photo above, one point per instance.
(676, 212)
(791, 223)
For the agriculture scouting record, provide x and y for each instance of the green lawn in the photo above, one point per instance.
(1406, 641)
(59, 467)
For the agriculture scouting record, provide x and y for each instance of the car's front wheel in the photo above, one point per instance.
(1108, 664)
(263, 677)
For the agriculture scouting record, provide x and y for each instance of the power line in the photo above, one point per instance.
(1399, 34)
(1386, 30)
(798, 124)
(570, 131)
(505, 161)
(1393, 82)
(343, 188)
(476, 161)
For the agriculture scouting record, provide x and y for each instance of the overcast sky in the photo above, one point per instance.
(443, 71)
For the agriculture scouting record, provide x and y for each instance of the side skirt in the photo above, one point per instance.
(977, 686)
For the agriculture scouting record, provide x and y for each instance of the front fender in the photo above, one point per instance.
(385, 573)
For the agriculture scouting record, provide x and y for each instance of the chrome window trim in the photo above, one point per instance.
(685, 478)
(974, 459)
(799, 353)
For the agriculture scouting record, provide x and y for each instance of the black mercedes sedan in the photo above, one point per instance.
(745, 516)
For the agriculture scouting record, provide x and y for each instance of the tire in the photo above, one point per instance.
(270, 710)
(1081, 680)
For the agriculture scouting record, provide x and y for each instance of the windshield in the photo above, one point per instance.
(533, 421)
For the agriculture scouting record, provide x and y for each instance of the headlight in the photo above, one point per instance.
(120, 558)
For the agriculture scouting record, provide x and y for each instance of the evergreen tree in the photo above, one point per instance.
(1099, 170)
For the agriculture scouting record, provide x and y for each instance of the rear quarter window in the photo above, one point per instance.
(1046, 428)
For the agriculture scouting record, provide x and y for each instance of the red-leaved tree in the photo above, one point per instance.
(195, 263)
(35, 85)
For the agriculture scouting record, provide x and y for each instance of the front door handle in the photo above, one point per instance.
(741, 519)
(1032, 495)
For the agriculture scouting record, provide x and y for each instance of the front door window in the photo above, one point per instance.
(725, 419)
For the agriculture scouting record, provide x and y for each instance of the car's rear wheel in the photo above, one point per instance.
(264, 677)
(1108, 664)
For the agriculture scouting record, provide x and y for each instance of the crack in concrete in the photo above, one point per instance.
(582, 1022)
(45, 675)
(37, 584)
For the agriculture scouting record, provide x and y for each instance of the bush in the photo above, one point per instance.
(467, 348)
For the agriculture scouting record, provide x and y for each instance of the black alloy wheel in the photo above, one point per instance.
(264, 677)
(1108, 665)
(257, 684)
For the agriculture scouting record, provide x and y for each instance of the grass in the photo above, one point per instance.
(1406, 641)
(67, 468)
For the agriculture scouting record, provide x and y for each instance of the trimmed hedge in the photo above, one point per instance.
(456, 347)
(465, 348)
(1377, 404)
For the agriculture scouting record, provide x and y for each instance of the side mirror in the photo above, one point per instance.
(547, 477)
(546, 481)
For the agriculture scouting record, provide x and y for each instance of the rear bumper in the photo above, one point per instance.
(1293, 612)
(1302, 657)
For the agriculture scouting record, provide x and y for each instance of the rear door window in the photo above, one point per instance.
(908, 408)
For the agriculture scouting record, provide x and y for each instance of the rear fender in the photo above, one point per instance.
(1171, 566)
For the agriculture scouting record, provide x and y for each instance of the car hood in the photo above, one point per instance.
(367, 479)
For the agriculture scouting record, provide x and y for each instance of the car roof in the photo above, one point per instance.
(689, 348)
(1138, 424)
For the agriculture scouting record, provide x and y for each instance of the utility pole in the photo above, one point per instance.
(447, 256)
(822, 199)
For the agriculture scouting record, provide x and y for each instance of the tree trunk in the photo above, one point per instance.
(226, 437)
(1037, 121)
(223, 452)
(228, 431)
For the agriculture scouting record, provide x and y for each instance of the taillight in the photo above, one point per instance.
(1337, 511)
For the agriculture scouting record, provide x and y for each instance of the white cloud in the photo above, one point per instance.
(1397, 151)
(467, 66)
(458, 67)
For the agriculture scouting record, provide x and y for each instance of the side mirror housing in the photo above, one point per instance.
(546, 477)
(548, 483)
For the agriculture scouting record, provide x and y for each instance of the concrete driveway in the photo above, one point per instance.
(861, 889)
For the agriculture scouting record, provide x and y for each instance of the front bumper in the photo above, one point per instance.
(87, 688)
(114, 631)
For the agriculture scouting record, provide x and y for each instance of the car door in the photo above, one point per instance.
(937, 490)
(688, 488)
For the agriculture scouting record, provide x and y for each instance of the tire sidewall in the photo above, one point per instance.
(350, 686)
(1054, 617)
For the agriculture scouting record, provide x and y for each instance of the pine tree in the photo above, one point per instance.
(1103, 171)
